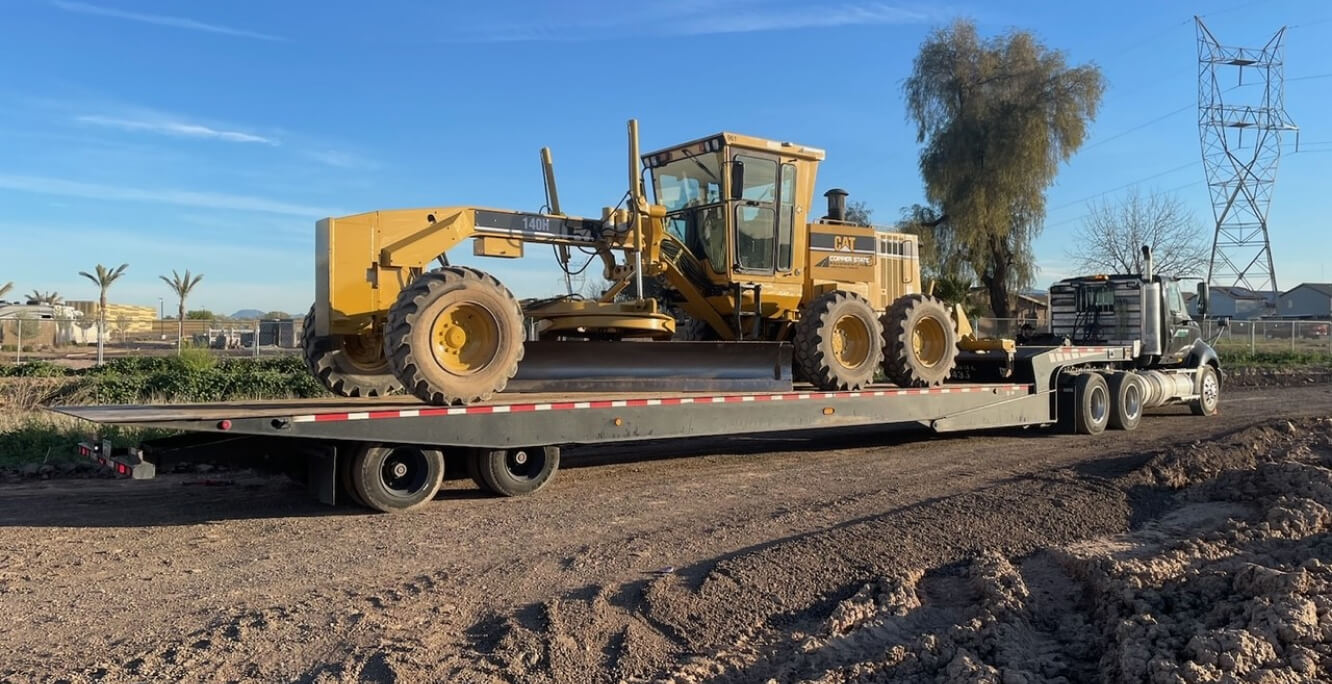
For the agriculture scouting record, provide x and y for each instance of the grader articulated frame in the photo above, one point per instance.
(725, 258)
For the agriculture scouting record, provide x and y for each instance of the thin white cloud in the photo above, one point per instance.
(174, 128)
(340, 160)
(187, 198)
(161, 20)
(704, 17)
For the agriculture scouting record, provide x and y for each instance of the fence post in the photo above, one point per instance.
(18, 353)
(256, 338)
(1292, 337)
(1252, 325)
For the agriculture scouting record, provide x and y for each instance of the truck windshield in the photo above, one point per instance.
(688, 182)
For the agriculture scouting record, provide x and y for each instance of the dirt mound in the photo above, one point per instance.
(1231, 581)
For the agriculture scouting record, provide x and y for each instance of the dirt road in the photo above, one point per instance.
(689, 559)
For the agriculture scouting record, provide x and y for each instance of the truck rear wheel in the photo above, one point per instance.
(454, 336)
(1126, 392)
(1209, 393)
(920, 342)
(1091, 410)
(396, 479)
(838, 342)
(347, 365)
(514, 472)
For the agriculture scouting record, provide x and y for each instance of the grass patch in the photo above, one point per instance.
(45, 437)
(1275, 359)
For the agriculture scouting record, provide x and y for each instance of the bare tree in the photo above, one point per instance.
(859, 214)
(1111, 237)
(182, 287)
(104, 278)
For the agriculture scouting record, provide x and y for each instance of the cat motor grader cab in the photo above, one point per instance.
(725, 256)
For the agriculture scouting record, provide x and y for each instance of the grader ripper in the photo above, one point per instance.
(724, 257)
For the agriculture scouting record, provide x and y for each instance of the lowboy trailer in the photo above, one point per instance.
(390, 454)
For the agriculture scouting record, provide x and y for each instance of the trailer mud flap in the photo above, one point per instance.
(596, 366)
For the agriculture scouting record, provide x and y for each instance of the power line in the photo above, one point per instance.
(1126, 185)
(1141, 126)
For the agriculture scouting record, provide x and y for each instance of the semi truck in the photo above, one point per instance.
(1117, 345)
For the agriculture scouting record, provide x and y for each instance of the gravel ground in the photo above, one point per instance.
(1193, 549)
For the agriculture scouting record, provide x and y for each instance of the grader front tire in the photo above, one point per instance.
(455, 336)
(346, 365)
(920, 342)
(837, 342)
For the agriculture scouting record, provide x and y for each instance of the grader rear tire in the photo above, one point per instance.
(455, 336)
(920, 342)
(838, 342)
(347, 365)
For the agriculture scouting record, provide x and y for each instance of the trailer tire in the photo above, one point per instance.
(473, 458)
(1091, 396)
(517, 471)
(347, 365)
(454, 336)
(838, 342)
(394, 479)
(1126, 393)
(1209, 392)
(920, 342)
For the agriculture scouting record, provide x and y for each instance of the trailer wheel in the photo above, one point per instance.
(393, 479)
(1125, 401)
(518, 471)
(838, 342)
(920, 342)
(345, 484)
(347, 365)
(455, 336)
(1209, 393)
(1092, 401)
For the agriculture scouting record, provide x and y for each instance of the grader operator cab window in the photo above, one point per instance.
(764, 215)
(690, 187)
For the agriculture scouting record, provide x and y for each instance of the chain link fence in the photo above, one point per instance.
(1251, 336)
(30, 338)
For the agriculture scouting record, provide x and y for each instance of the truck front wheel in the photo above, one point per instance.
(1209, 392)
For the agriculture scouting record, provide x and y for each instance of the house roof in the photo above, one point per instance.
(1237, 292)
(1324, 289)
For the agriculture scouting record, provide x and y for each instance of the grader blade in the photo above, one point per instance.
(596, 366)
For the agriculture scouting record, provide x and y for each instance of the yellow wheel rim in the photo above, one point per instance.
(465, 338)
(929, 342)
(364, 353)
(851, 344)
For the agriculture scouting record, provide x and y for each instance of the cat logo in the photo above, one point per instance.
(844, 243)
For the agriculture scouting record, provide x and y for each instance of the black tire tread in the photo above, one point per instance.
(897, 350)
(402, 316)
(810, 331)
(322, 360)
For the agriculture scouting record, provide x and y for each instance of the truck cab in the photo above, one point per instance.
(1146, 310)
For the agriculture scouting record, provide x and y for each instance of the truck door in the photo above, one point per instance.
(1181, 331)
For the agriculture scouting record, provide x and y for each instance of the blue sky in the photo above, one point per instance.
(212, 135)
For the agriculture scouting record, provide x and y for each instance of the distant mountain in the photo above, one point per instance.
(248, 313)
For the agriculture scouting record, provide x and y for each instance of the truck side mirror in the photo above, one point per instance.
(1204, 298)
(737, 189)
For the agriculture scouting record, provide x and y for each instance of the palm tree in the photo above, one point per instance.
(6, 288)
(50, 298)
(104, 278)
(182, 287)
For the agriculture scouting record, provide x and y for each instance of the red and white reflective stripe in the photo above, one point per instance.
(636, 403)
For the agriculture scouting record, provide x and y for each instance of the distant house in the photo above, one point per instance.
(1238, 302)
(1306, 301)
(1028, 305)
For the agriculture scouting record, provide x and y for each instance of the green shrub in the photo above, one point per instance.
(34, 369)
(196, 359)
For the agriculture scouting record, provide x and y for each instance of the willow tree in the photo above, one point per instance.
(182, 286)
(996, 117)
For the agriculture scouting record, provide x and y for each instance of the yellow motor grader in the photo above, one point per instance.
(722, 265)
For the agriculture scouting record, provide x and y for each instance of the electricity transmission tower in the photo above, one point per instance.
(1240, 128)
